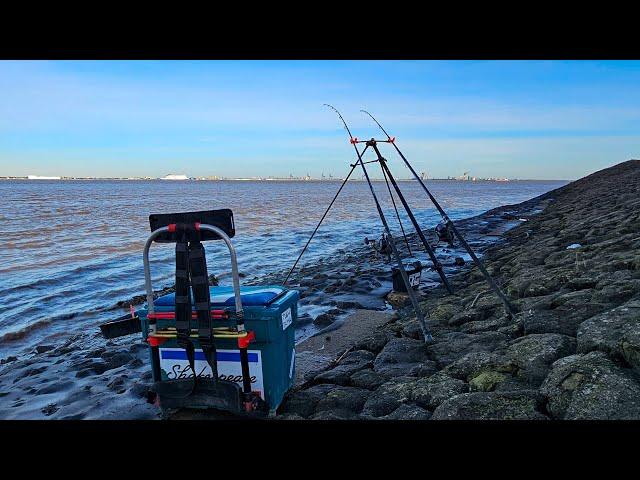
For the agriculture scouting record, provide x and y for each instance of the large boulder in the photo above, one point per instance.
(349, 399)
(616, 332)
(473, 364)
(367, 379)
(432, 391)
(591, 387)
(534, 354)
(373, 343)
(452, 346)
(561, 313)
(303, 402)
(400, 355)
(522, 405)
(350, 364)
(398, 299)
(388, 397)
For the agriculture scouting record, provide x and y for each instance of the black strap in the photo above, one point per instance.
(191, 275)
(183, 303)
(202, 300)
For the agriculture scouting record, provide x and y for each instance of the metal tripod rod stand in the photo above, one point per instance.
(509, 310)
(436, 264)
(412, 295)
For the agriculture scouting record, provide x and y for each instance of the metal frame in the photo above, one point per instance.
(234, 268)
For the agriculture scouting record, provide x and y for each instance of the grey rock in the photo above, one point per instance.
(303, 402)
(487, 381)
(135, 363)
(467, 316)
(337, 414)
(591, 387)
(139, 390)
(44, 348)
(117, 385)
(350, 399)
(95, 353)
(485, 325)
(117, 359)
(534, 354)
(408, 411)
(50, 409)
(388, 397)
(616, 332)
(374, 342)
(289, 416)
(551, 322)
(431, 392)
(345, 305)
(367, 379)
(399, 356)
(94, 368)
(452, 346)
(398, 299)
(425, 369)
(523, 405)
(350, 364)
(324, 319)
(511, 384)
(581, 283)
(474, 363)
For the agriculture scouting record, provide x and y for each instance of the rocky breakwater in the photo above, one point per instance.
(571, 352)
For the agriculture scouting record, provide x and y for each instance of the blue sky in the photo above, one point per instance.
(525, 119)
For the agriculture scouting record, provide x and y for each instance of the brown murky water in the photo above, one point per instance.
(73, 249)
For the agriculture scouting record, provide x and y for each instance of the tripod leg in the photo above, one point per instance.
(437, 265)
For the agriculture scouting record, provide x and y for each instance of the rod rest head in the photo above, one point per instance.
(185, 225)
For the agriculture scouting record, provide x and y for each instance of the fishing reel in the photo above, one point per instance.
(445, 233)
(381, 246)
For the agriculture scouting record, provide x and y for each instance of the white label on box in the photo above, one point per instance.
(414, 279)
(176, 366)
(286, 318)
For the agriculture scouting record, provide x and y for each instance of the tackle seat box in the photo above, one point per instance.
(269, 311)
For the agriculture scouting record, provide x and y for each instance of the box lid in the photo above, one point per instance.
(223, 296)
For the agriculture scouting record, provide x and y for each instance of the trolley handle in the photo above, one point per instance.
(198, 226)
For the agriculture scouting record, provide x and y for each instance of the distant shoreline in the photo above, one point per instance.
(295, 180)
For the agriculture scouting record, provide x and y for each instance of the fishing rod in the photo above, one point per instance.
(319, 223)
(397, 214)
(507, 305)
(403, 273)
